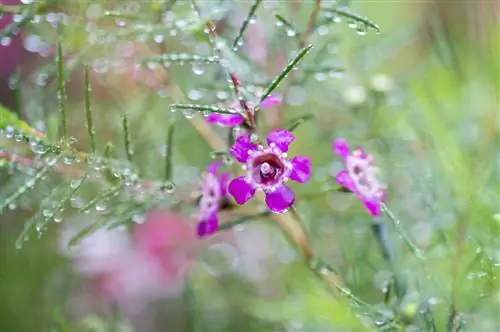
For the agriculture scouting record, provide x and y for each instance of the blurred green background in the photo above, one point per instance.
(422, 96)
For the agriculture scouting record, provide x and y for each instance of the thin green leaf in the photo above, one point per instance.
(28, 186)
(86, 231)
(41, 220)
(347, 13)
(294, 123)
(243, 219)
(247, 20)
(88, 110)
(128, 145)
(201, 108)
(406, 238)
(274, 84)
(125, 216)
(283, 21)
(61, 90)
(179, 57)
(106, 195)
(170, 148)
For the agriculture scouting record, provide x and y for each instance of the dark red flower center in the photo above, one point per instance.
(267, 169)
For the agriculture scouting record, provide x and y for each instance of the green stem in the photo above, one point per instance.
(406, 238)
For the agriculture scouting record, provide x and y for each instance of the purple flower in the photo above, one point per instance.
(232, 120)
(213, 191)
(359, 176)
(268, 169)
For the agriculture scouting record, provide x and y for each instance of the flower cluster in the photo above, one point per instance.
(269, 169)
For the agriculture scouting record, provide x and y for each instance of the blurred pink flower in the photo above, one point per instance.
(135, 270)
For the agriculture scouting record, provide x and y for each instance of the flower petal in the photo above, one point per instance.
(241, 190)
(373, 206)
(301, 171)
(282, 138)
(240, 148)
(225, 120)
(208, 226)
(341, 148)
(270, 101)
(224, 180)
(345, 180)
(213, 167)
(280, 200)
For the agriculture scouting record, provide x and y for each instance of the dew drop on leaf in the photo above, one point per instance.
(198, 69)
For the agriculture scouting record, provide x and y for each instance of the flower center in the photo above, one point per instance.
(267, 169)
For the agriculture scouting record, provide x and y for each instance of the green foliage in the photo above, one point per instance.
(432, 124)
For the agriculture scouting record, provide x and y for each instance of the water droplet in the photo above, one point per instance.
(17, 18)
(32, 43)
(41, 79)
(159, 38)
(76, 202)
(352, 24)
(57, 217)
(322, 30)
(101, 207)
(18, 136)
(222, 95)
(320, 76)
(38, 147)
(12, 206)
(27, 2)
(5, 41)
(69, 159)
(168, 187)
(173, 109)
(9, 131)
(75, 183)
(336, 19)
(139, 218)
(252, 20)
(220, 259)
(291, 33)
(361, 30)
(227, 160)
(195, 95)
(189, 114)
(198, 69)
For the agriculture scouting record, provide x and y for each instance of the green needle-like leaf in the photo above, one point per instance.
(243, 219)
(170, 148)
(247, 20)
(61, 90)
(274, 84)
(294, 123)
(88, 110)
(347, 13)
(201, 108)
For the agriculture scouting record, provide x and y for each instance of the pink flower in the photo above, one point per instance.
(232, 120)
(268, 169)
(136, 270)
(359, 176)
(213, 191)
